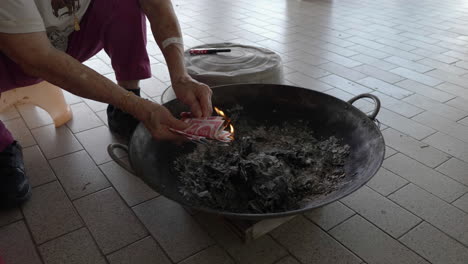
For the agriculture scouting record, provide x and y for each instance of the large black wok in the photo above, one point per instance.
(151, 160)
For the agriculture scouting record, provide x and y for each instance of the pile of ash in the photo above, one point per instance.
(264, 170)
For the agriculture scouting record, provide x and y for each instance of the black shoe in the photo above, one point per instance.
(121, 123)
(14, 185)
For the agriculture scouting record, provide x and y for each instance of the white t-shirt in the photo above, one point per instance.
(56, 17)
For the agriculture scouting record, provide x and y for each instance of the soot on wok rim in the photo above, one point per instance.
(151, 159)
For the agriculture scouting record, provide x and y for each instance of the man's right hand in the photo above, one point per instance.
(158, 120)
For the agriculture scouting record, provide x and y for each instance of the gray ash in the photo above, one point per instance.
(266, 169)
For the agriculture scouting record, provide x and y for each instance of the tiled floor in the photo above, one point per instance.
(412, 54)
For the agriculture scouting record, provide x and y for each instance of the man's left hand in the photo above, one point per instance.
(195, 94)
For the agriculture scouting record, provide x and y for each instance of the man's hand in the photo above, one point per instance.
(164, 25)
(158, 120)
(194, 94)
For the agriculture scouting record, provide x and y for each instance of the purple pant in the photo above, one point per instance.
(117, 26)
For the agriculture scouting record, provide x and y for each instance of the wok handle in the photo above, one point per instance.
(111, 150)
(371, 96)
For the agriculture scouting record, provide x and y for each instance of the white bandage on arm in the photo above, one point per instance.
(169, 41)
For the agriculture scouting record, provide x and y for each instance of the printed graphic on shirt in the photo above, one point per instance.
(72, 6)
(65, 11)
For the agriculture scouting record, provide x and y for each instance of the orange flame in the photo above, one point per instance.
(227, 122)
(219, 112)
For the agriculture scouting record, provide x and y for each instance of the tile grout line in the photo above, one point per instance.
(83, 222)
(388, 234)
(214, 239)
(36, 247)
(134, 214)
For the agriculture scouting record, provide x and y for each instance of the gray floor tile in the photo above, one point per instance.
(371, 244)
(345, 85)
(417, 150)
(9, 113)
(95, 105)
(175, 230)
(399, 45)
(78, 174)
(49, 213)
(9, 216)
(160, 72)
(435, 56)
(342, 71)
(152, 86)
(415, 76)
(429, 92)
(462, 203)
(305, 57)
(384, 87)
(263, 250)
(145, 251)
(389, 151)
(460, 103)
(441, 109)
(433, 210)
(344, 61)
(95, 141)
(409, 64)
(382, 212)
(463, 121)
(34, 116)
(330, 215)
(420, 44)
(336, 49)
(36, 166)
(83, 118)
(73, 248)
(55, 142)
(375, 62)
(386, 182)
(432, 181)
(305, 81)
(435, 246)
(103, 116)
(366, 43)
(405, 125)
(288, 260)
(211, 255)
(99, 66)
(369, 52)
(443, 66)
(453, 89)
(17, 246)
(444, 125)
(307, 69)
(132, 189)
(377, 73)
(109, 220)
(449, 144)
(20, 132)
(310, 244)
(398, 106)
(402, 53)
(455, 169)
(449, 77)
(71, 98)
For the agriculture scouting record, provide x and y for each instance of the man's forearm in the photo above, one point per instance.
(69, 74)
(164, 25)
(33, 52)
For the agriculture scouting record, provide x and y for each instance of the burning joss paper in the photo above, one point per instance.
(213, 127)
